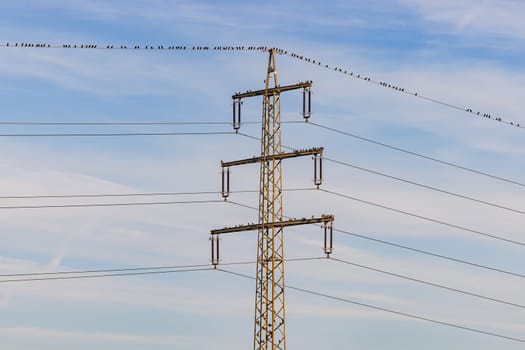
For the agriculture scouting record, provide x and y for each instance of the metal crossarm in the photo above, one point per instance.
(272, 157)
(272, 91)
(292, 222)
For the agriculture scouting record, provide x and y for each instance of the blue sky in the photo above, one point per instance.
(467, 53)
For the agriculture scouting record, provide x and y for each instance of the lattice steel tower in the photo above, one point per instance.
(269, 332)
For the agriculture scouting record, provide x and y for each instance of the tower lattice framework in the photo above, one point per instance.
(270, 320)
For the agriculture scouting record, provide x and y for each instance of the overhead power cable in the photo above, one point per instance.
(56, 275)
(131, 47)
(244, 205)
(390, 311)
(440, 222)
(450, 193)
(104, 195)
(115, 123)
(136, 123)
(432, 284)
(239, 48)
(415, 183)
(432, 188)
(54, 278)
(140, 194)
(121, 134)
(395, 87)
(128, 269)
(408, 248)
(106, 204)
(111, 123)
(395, 148)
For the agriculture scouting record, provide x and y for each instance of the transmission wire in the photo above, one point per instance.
(56, 275)
(106, 204)
(199, 48)
(34, 279)
(411, 249)
(432, 284)
(432, 188)
(395, 148)
(391, 311)
(142, 194)
(481, 233)
(121, 134)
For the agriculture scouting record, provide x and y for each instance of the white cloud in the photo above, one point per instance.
(471, 17)
(37, 332)
(63, 239)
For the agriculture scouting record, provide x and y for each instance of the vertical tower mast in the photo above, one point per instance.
(269, 328)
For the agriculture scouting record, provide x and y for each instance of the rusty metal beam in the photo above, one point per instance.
(271, 157)
(291, 222)
(272, 91)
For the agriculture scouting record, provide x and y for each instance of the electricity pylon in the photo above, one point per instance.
(269, 329)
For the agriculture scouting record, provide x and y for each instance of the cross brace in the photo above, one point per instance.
(272, 91)
(317, 156)
(280, 156)
(292, 222)
(326, 220)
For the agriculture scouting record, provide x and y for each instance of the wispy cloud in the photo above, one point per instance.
(473, 18)
(37, 332)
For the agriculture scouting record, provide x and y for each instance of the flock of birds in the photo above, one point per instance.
(251, 224)
(137, 47)
(257, 48)
(387, 85)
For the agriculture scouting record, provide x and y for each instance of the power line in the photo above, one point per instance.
(412, 214)
(106, 204)
(165, 267)
(462, 228)
(426, 252)
(36, 276)
(196, 48)
(127, 47)
(139, 194)
(116, 123)
(120, 134)
(391, 311)
(395, 87)
(257, 138)
(34, 279)
(137, 123)
(411, 249)
(382, 144)
(437, 285)
(328, 159)
(103, 195)
(413, 182)
(450, 193)
(244, 205)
